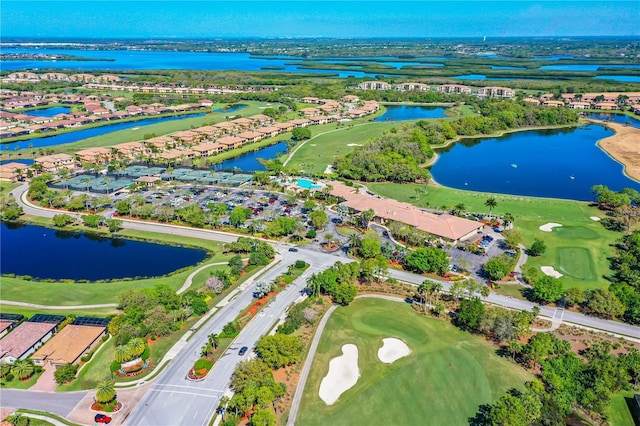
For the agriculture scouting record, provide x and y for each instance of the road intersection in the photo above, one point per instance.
(172, 399)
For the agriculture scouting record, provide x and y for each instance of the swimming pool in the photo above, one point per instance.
(307, 184)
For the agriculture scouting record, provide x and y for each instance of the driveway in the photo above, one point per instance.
(46, 381)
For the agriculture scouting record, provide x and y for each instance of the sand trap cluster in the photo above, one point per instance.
(595, 218)
(548, 227)
(551, 271)
(343, 375)
(392, 350)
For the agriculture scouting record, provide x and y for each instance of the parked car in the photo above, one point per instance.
(101, 418)
(243, 350)
(293, 249)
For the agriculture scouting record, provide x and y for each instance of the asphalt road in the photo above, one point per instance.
(172, 399)
(58, 403)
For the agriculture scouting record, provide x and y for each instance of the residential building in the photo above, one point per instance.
(53, 163)
(13, 172)
(496, 92)
(454, 89)
(28, 336)
(67, 346)
(374, 85)
(408, 86)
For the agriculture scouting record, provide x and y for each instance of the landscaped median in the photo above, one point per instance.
(217, 345)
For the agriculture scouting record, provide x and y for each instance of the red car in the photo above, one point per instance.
(101, 418)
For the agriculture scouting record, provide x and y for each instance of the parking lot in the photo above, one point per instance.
(490, 241)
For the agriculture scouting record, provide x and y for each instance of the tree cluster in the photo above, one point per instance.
(567, 382)
(337, 281)
(153, 312)
(398, 154)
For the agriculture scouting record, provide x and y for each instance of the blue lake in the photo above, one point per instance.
(552, 58)
(622, 78)
(471, 77)
(563, 163)
(155, 59)
(27, 161)
(249, 162)
(585, 67)
(410, 112)
(79, 255)
(232, 108)
(48, 112)
(500, 67)
(88, 133)
(616, 118)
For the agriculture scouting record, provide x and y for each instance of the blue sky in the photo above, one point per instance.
(350, 19)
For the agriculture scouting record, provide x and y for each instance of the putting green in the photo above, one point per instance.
(576, 262)
(575, 232)
(443, 381)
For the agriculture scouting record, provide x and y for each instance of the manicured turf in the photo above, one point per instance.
(576, 262)
(578, 231)
(6, 188)
(619, 414)
(319, 151)
(448, 375)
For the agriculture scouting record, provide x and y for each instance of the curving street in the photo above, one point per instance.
(171, 399)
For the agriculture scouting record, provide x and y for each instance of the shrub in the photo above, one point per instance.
(65, 373)
(115, 366)
(146, 353)
(300, 264)
(8, 378)
(87, 357)
(231, 329)
(203, 364)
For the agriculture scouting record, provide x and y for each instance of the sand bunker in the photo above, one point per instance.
(392, 350)
(624, 147)
(343, 375)
(551, 271)
(548, 227)
(596, 218)
(354, 144)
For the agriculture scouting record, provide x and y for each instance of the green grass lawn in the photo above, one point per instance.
(448, 375)
(619, 414)
(6, 188)
(347, 230)
(20, 384)
(579, 249)
(327, 142)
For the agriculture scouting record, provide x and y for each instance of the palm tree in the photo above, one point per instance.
(508, 219)
(23, 369)
(136, 347)
(122, 353)
(5, 369)
(18, 419)
(214, 340)
(354, 239)
(423, 289)
(105, 391)
(460, 208)
(491, 203)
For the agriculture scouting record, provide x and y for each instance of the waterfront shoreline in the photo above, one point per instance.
(623, 146)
